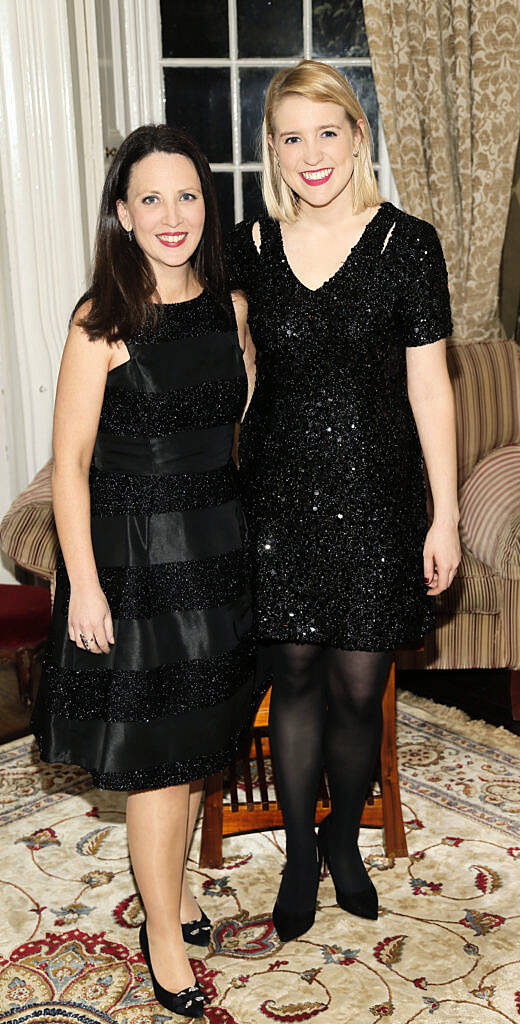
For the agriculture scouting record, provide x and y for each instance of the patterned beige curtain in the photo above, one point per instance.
(447, 76)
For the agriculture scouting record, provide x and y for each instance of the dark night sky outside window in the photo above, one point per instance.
(218, 58)
(196, 29)
(199, 100)
(270, 29)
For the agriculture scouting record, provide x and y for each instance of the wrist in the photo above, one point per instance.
(79, 584)
(446, 516)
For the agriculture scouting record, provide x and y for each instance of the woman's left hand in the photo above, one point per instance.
(441, 556)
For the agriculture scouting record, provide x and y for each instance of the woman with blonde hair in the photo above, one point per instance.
(348, 309)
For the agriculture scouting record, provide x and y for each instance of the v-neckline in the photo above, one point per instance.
(328, 280)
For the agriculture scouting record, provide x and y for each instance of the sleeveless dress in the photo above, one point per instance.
(174, 697)
(330, 461)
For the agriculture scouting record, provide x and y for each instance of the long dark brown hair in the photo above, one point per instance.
(123, 281)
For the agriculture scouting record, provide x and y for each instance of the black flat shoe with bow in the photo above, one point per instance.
(189, 1002)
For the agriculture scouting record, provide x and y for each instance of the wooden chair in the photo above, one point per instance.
(245, 813)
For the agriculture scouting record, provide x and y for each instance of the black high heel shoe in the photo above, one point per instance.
(291, 924)
(197, 932)
(189, 1002)
(363, 903)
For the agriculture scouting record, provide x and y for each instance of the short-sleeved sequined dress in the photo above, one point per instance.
(330, 460)
(174, 696)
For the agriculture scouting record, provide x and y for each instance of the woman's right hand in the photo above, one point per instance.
(89, 616)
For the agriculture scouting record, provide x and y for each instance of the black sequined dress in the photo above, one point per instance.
(330, 459)
(171, 701)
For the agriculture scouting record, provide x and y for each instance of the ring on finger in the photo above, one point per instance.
(86, 641)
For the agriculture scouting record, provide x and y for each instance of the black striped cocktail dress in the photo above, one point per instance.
(172, 699)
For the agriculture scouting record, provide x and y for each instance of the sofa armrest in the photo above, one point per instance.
(28, 532)
(490, 511)
(486, 386)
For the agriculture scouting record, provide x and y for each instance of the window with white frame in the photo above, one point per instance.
(218, 57)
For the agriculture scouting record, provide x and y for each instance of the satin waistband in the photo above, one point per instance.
(190, 451)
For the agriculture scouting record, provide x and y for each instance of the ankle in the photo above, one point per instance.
(164, 933)
(303, 851)
(190, 910)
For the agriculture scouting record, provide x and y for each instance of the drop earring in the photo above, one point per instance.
(130, 235)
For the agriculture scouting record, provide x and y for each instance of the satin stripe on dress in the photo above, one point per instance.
(143, 644)
(167, 537)
(123, 746)
(194, 451)
(196, 361)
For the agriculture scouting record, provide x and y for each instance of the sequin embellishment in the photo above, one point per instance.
(331, 465)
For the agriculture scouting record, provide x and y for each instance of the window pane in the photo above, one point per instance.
(194, 29)
(362, 82)
(253, 87)
(270, 28)
(339, 29)
(252, 195)
(198, 99)
(226, 205)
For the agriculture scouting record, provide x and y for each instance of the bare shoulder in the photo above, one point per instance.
(80, 313)
(78, 335)
(80, 347)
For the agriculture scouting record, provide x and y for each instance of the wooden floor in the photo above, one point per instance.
(481, 693)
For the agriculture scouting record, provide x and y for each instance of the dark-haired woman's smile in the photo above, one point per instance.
(174, 240)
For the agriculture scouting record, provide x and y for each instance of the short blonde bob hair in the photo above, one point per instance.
(323, 84)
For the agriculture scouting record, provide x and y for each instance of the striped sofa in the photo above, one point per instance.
(27, 531)
(478, 618)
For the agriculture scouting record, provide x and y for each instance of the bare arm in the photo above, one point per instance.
(79, 397)
(431, 398)
(246, 343)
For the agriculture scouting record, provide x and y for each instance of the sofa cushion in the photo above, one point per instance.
(486, 384)
(27, 531)
(490, 511)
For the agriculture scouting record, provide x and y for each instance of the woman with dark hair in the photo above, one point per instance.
(147, 677)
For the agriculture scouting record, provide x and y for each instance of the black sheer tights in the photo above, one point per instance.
(325, 708)
(296, 727)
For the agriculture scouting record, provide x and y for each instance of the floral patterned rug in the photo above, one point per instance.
(445, 948)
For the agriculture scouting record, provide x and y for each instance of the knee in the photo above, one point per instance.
(366, 707)
(361, 703)
(295, 672)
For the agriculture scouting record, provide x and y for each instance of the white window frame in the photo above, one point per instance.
(234, 63)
